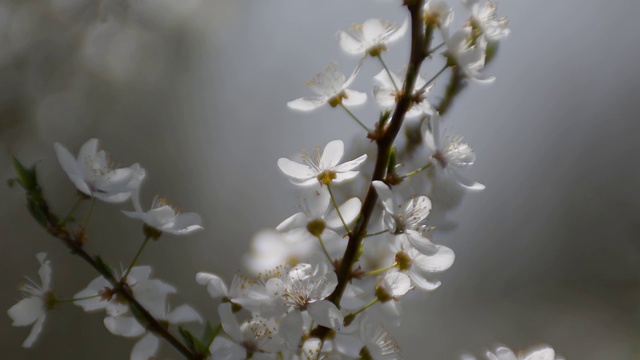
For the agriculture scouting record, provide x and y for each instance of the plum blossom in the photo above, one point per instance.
(331, 87)
(371, 37)
(321, 167)
(319, 218)
(484, 16)
(94, 175)
(392, 286)
(38, 299)
(256, 338)
(164, 217)
(417, 265)
(404, 221)
(438, 12)
(465, 53)
(378, 344)
(451, 154)
(543, 352)
(386, 94)
(305, 288)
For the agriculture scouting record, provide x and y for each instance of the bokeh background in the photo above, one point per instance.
(196, 90)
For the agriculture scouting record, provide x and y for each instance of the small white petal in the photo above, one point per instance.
(229, 322)
(349, 44)
(307, 103)
(291, 329)
(385, 194)
(183, 314)
(325, 313)
(350, 165)
(26, 311)
(420, 242)
(464, 182)
(225, 349)
(295, 170)
(349, 211)
(440, 261)
(354, 98)
(215, 285)
(126, 326)
(146, 348)
(35, 331)
(332, 154)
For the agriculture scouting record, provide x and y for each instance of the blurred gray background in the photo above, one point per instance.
(196, 92)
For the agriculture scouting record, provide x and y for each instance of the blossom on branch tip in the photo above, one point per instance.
(483, 16)
(451, 154)
(331, 87)
(370, 37)
(38, 299)
(94, 175)
(321, 167)
(164, 217)
(438, 13)
(467, 54)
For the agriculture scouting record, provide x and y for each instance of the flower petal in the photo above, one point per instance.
(349, 210)
(146, 348)
(35, 331)
(385, 194)
(307, 103)
(350, 165)
(332, 154)
(183, 314)
(349, 44)
(354, 98)
(440, 261)
(294, 170)
(326, 314)
(421, 243)
(229, 322)
(464, 182)
(26, 311)
(422, 283)
(70, 166)
(215, 285)
(126, 326)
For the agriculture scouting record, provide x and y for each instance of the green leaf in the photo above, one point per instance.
(26, 177)
(392, 161)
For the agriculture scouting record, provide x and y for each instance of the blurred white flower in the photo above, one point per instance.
(94, 175)
(371, 37)
(451, 154)
(254, 339)
(32, 309)
(387, 96)
(392, 286)
(468, 55)
(322, 167)
(331, 86)
(405, 221)
(438, 12)
(164, 217)
(503, 353)
(378, 344)
(484, 16)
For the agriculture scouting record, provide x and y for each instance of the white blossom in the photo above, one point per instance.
(543, 352)
(321, 167)
(319, 218)
(256, 338)
(389, 88)
(449, 154)
(378, 344)
(483, 15)
(95, 175)
(32, 309)
(164, 217)
(467, 54)
(405, 221)
(370, 37)
(304, 288)
(418, 266)
(331, 87)
(438, 12)
(392, 286)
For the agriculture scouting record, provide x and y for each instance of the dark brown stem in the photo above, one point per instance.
(384, 144)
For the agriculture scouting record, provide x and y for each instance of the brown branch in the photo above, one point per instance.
(384, 144)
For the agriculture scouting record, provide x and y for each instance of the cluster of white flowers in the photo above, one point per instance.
(327, 282)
